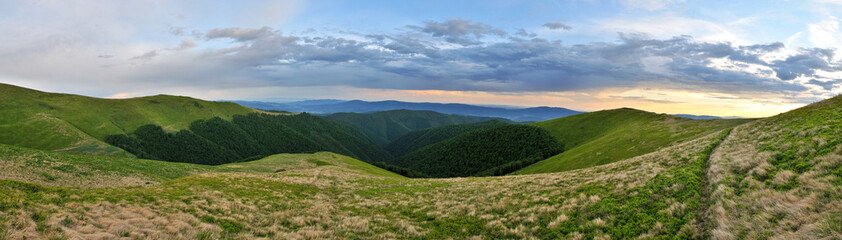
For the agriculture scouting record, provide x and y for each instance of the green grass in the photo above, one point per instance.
(65, 167)
(73, 123)
(272, 163)
(603, 137)
(793, 160)
(322, 193)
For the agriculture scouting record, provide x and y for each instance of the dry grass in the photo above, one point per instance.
(335, 201)
(788, 205)
(50, 173)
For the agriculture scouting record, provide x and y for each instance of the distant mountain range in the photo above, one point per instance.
(357, 106)
(328, 106)
(699, 116)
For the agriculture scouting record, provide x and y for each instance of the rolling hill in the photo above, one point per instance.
(607, 136)
(419, 138)
(325, 195)
(217, 141)
(386, 126)
(482, 152)
(780, 176)
(73, 123)
(358, 106)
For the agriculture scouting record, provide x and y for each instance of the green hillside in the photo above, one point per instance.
(607, 136)
(217, 141)
(73, 123)
(386, 126)
(325, 195)
(781, 176)
(482, 152)
(90, 171)
(419, 138)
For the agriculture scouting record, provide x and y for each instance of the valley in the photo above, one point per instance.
(175, 170)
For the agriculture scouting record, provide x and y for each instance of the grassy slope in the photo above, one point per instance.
(602, 137)
(419, 138)
(324, 195)
(87, 171)
(386, 126)
(781, 177)
(31, 118)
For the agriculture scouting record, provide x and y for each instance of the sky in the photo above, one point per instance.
(723, 58)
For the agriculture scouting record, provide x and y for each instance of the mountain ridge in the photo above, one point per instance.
(360, 106)
(76, 123)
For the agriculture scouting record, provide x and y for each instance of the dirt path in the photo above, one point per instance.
(703, 226)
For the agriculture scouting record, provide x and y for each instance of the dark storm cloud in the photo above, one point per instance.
(557, 25)
(416, 59)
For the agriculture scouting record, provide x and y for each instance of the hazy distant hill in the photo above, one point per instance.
(358, 106)
(690, 116)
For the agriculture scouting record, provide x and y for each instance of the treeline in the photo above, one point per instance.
(386, 126)
(247, 137)
(406, 172)
(493, 151)
(418, 139)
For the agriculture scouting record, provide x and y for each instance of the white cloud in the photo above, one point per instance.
(825, 34)
(668, 25)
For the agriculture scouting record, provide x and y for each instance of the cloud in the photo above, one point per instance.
(805, 64)
(557, 25)
(667, 25)
(177, 31)
(523, 33)
(459, 31)
(239, 34)
(646, 99)
(824, 85)
(825, 34)
(401, 61)
(186, 43)
(451, 55)
(146, 56)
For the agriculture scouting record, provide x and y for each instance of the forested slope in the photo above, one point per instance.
(217, 141)
(386, 126)
(483, 152)
(420, 138)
